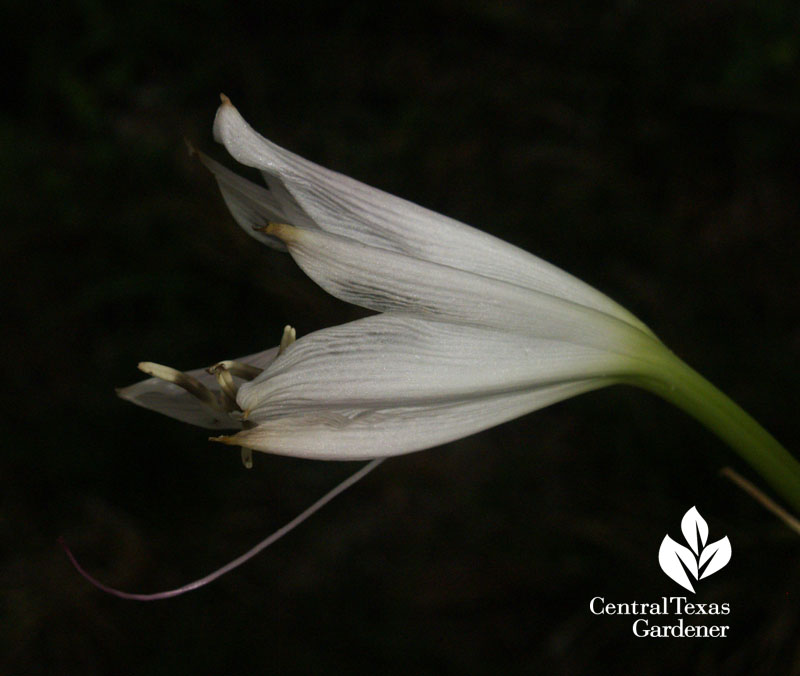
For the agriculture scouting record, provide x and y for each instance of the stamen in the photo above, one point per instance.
(247, 457)
(288, 337)
(226, 384)
(238, 369)
(277, 535)
(184, 380)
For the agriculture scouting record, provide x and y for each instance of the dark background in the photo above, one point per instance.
(649, 148)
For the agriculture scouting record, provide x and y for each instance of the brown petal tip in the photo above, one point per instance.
(283, 231)
(224, 439)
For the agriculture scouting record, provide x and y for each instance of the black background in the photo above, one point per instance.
(649, 148)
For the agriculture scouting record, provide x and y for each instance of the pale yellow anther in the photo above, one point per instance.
(247, 457)
(288, 337)
(183, 380)
(226, 384)
(237, 369)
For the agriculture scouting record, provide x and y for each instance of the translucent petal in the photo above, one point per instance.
(344, 206)
(251, 205)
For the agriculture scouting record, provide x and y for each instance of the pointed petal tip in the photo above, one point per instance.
(244, 144)
(223, 112)
(128, 393)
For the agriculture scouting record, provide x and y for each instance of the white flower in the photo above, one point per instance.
(473, 331)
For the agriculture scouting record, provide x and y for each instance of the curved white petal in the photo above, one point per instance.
(251, 205)
(360, 434)
(387, 281)
(344, 206)
(392, 360)
(173, 401)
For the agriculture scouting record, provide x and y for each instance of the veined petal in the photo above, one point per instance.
(387, 281)
(392, 360)
(341, 205)
(173, 401)
(360, 434)
(251, 205)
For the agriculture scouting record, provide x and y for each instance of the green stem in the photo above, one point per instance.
(681, 385)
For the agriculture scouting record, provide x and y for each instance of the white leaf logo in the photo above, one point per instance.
(716, 555)
(670, 556)
(695, 529)
(697, 561)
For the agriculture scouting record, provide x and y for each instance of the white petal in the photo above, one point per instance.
(392, 360)
(173, 401)
(390, 282)
(250, 205)
(354, 434)
(344, 206)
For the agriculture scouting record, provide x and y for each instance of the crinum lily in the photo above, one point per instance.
(472, 332)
